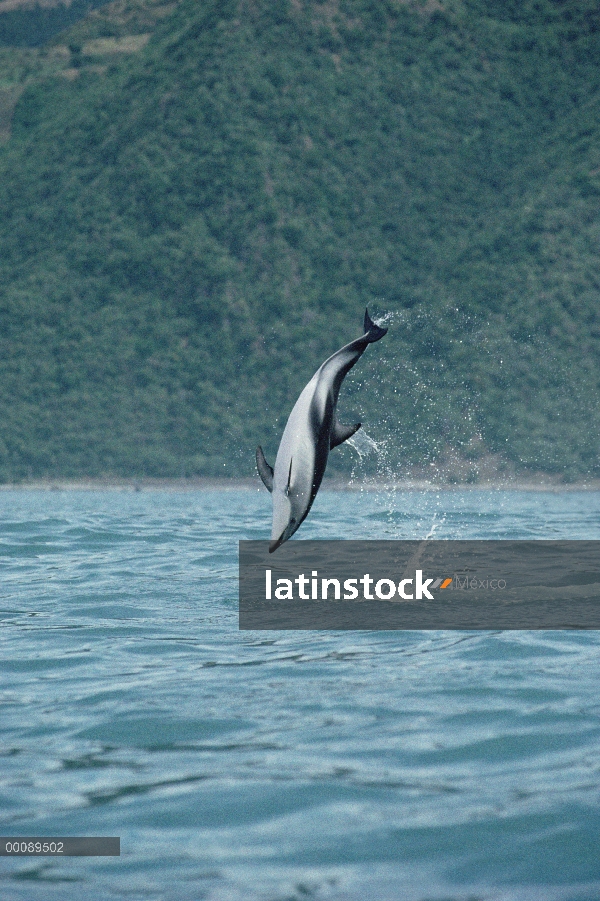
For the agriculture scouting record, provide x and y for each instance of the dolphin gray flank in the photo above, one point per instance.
(312, 430)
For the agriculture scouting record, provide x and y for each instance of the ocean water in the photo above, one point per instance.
(422, 766)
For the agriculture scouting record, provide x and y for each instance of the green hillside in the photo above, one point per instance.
(188, 229)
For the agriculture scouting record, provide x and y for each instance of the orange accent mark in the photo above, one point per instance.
(445, 583)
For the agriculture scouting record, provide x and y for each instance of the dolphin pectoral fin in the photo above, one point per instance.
(341, 433)
(264, 470)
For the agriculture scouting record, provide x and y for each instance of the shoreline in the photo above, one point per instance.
(543, 484)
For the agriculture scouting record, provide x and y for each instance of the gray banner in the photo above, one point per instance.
(34, 846)
(375, 585)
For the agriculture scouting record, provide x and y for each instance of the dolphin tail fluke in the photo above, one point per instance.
(373, 332)
(264, 470)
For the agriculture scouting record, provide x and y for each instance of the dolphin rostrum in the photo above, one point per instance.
(311, 432)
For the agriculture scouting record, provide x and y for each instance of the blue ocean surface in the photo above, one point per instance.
(283, 766)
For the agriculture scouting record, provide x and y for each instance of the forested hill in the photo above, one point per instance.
(189, 229)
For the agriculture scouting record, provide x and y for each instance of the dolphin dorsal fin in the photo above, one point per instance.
(341, 433)
(264, 470)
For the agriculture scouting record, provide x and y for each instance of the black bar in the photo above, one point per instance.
(471, 585)
(51, 846)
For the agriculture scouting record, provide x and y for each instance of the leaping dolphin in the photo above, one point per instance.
(311, 432)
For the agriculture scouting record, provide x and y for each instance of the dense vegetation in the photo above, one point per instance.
(188, 230)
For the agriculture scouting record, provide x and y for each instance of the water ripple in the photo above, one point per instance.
(272, 766)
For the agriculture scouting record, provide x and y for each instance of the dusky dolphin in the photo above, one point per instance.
(311, 432)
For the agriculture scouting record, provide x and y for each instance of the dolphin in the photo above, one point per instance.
(312, 430)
